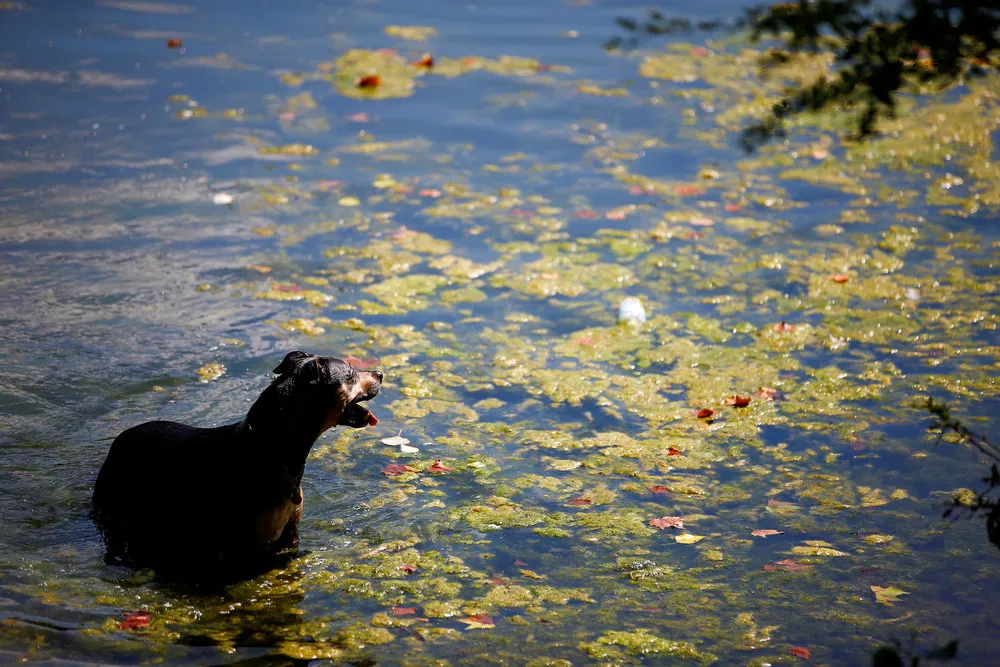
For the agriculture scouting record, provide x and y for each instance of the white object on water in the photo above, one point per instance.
(222, 198)
(395, 441)
(631, 311)
(407, 449)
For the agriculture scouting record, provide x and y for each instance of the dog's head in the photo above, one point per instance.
(330, 385)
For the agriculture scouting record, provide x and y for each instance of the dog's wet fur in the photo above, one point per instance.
(178, 497)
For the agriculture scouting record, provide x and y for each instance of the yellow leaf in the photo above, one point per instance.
(688, 538)
(887, 595)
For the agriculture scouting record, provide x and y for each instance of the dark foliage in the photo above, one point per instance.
(935, 43)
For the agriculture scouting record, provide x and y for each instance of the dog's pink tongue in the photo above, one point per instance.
(372, 419)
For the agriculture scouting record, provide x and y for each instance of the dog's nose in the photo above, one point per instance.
(378, 374)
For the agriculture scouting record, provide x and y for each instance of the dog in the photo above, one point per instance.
(177, 496)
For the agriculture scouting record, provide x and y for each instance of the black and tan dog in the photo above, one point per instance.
(178, 496)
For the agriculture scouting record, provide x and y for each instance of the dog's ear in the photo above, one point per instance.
(291, 359)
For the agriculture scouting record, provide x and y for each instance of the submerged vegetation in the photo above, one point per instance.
(737, 478)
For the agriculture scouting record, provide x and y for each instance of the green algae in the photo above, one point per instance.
(642, 643)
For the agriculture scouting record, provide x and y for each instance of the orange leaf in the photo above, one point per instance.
(737, 401)
(426, 60)
(699, 51)
(360, 363)
(704, 413)
(732, 208)
(368, 81)
(173, 43)
(407, 568)
(673, 451)
(587, 213)
(133, 620)
(667, 522)
(766, 532)
(659, 488)
(769, 393)
(585, 340)
(840, 278)
(437, 466)
(580, 502)
(480, 621)
(615, 215)
(394, 469)
(702, 222)
(433, 193)
(640, 190)
(684, 190)
(799, 652)
(403, 611)
(787, 565)
(784, 326)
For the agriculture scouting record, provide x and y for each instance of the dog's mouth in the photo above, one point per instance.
(356, 415)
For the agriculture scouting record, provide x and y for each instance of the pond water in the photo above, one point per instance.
(173, 212)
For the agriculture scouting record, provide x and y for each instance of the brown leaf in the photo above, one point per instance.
(766, 532)
(659, 488)
(667, 522)
(437, 466)
(779, 503)
(840, 278)
(787, 565)
(370, 81)
(704, 413)
(784, 326)
(685, 190)
(737, 401)
(769, 393)
(173, 43)
(133, 620)
(799, 652)
(426, 61)
(407, 568)
(587, 213)
(403, 611)
(732, 208)
(394, 469)
(479, 621)
(673, 451)
(579, 502)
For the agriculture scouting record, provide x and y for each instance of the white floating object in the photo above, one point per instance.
(395, 441)
(631, 311)
(222, 198)
(407, 449)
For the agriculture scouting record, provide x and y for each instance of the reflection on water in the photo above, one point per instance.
(474, 229)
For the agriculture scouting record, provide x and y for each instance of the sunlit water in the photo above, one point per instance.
(123, 272)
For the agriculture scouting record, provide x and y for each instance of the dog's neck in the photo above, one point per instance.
(281, 429)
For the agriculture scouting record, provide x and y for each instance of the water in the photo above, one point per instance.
(506, 184)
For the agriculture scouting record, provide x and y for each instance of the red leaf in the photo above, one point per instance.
(694, 235)
(784, 326)
(426, 60)
(616, 215)
(737, 401)
(684, 190)
(520, 563)
(386, 52)
(766, 532)
(407, 568)
(286, 288)
(133, 620)
(673, 451)
(173, 43)
(787, 565)
(403, 611)
(370, 81)
(840, 278)
(497, 580)
(702, 222)
(394, 469)
(578, 502)
(704, 413)
(433, 193)
(587, 213)
(732, 208)
(360, 363)
(437, 466)
(659, 488)
(585, 340)
(522, 213)
(667, 522)
(769, 393)
(799, 652)
(699, 51)
(640, 190)
(360, 117)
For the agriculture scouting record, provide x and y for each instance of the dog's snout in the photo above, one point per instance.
(378, 375)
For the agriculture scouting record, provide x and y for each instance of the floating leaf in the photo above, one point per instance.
(659, 488)
(478, 622)
(519, 563)
(737, 401)
(174, 43)
(787, 565)
(783, 326)
(702, 222)
(667, 522)
(437, 466)
(433, 193)
(888, 595)
(394, 469)
(799, 652)
(395, 441)
(766, 532)
(133, 620)
(368, 81)
(580, 502)
(779, 503)
(768, 393)
(211, 371)
(673, 451)
(840, 278)
(403, 611)
(426, 61)
(688, 538)
(407, 449)
(704, 413)
(407, 568)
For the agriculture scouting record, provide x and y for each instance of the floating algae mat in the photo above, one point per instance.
(748, 476)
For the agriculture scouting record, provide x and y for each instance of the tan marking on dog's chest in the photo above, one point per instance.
(268, 526)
